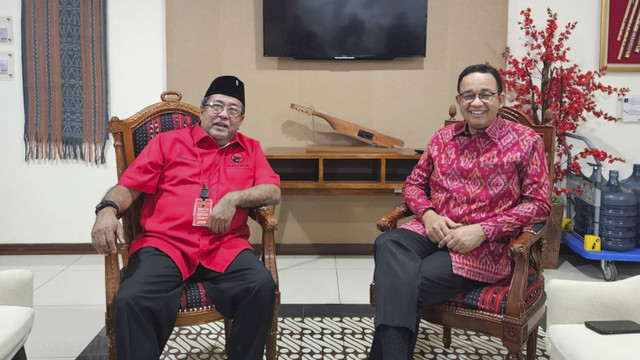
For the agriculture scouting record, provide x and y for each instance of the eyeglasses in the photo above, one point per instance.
(483, 96)
(217, 108)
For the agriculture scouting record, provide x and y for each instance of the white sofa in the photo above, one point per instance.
(570, 303)
(16, 312)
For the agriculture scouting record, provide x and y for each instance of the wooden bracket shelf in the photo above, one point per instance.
(334, 172)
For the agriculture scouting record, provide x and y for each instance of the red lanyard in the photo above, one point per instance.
(204, 192)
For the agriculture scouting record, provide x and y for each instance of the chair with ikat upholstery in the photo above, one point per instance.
(130, 136)
(510, 309)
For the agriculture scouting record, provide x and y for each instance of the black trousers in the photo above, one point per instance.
(410, 273)
(149, 297)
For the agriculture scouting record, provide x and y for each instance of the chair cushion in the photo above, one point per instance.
(15, 326)
(194, 298)
(161, 123)
(493, 298)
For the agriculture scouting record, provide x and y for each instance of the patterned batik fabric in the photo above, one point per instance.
(497, 177)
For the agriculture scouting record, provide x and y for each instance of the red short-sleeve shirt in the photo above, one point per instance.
(171, 172)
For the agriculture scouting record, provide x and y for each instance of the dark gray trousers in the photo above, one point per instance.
(410, 273)
(149, 297)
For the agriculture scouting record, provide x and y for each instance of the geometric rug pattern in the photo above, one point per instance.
(337, 338)
(331, 332)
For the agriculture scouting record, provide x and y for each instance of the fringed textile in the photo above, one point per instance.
(64, 62)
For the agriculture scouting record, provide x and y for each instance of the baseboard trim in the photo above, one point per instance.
(281, 249)
(46, 249)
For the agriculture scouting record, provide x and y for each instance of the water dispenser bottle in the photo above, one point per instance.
(583, 219)
(636, 190)
(618, 212)
(633, 180)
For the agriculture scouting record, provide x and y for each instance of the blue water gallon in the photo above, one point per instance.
(594, 175)
(636, 190)
(633, 180)
(618, 216)
(583, 219)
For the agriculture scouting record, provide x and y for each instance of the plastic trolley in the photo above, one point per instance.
(591, 188)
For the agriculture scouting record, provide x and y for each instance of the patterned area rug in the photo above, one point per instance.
(326, 337)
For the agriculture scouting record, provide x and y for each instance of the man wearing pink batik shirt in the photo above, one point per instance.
(478, 183)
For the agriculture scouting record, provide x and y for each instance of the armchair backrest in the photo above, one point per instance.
(131, 135)
(547, 132)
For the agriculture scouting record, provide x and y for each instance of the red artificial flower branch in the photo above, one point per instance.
(544, 81)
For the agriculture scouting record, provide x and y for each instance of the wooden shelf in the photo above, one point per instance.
(346, 171)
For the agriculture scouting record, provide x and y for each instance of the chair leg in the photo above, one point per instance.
(446, 336)
(272, 339)
(532, 344)
(111, 338)
(514, 355)
(20, 355)
(227, 331)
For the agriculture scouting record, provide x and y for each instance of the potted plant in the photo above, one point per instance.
(552, 90)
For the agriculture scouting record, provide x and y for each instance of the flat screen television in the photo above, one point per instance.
(345, 29)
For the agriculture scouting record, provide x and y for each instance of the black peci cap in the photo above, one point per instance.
(227, 85)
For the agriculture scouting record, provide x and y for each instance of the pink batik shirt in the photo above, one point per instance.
(497, 177)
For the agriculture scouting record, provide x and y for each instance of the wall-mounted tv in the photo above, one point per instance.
(345, 29)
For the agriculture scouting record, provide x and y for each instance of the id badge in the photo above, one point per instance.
(201, 211)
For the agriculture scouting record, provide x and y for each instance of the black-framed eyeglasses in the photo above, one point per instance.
(218, 108)
(483, 96)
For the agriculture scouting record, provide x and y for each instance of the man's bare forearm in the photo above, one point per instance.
(122, 196)
(264, 194)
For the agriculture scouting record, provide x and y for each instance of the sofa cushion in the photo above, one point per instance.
(577, 342)
(15, 326)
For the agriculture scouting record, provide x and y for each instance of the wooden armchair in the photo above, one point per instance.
(130, 136)
(511, 309)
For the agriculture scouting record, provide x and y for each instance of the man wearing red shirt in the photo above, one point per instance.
(198, 183)
(478, 183)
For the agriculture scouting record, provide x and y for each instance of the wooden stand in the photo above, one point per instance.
(352, 150)
(336, 171)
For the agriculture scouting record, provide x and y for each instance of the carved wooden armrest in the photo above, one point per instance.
(264, 215)
(525, 250)
(390, 220)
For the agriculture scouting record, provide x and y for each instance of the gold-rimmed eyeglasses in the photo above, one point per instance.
(483, 96)
(218, 108)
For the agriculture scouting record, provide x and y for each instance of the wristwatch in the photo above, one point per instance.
(105, 203)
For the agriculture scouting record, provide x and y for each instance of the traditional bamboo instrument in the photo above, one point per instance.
(626, 33)
(624, 19)
(634, 36)
(356, 131)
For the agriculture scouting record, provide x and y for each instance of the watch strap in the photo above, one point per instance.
(105, 203)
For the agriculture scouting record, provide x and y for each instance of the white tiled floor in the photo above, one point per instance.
(69, 291)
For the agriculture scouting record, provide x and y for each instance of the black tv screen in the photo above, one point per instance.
(345, 29)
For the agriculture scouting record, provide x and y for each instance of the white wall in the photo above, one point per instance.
(618, 139)
(45, 202)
